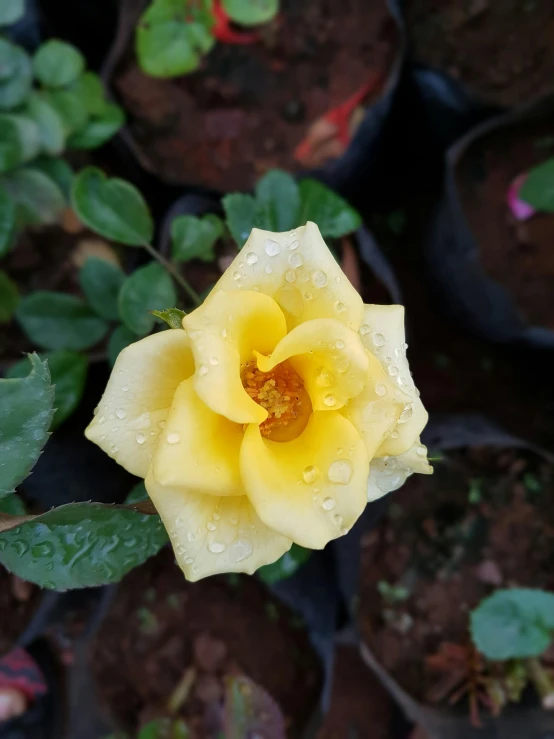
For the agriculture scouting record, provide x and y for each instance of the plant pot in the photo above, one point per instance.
(449, 41)
(502, 297)
(248, 107)
(478, 524)
(220, 625)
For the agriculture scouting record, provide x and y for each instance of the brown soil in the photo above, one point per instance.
(160, 625)
(517, 255)
(360, 706)
(502, 49)
(248, 107)
(450, 553)
(18, 602)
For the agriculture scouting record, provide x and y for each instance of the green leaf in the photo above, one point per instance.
(538, 188)
(251, 12)
(101, 283)
(112, 207)
(19, 140)
(80, 545)
(68, 371)
(9, 297)
(249, 711)
(149, 288)
(12, 504)
(285, 566)
(26, 414)
(195, 238)
(15, 88)
(7, 222)
(172, 316)
(50, 125)
(243, 213)
(120, 338)
(59, 321)
(8, 58)
(38, 197)
(98, 130)
(70, 109)
(514, 624)
(57, 63)
(279, 191)
(59, 171)
(328, 210)
(90, 91)
(165, 728)
(11, 11)
(172, 36)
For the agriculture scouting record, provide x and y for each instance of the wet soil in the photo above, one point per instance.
(483, 521)
(502, 49)
(518, 255)
(160, 625)
(248, 107)
(18, 602)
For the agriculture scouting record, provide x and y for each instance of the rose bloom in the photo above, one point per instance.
(281, 409)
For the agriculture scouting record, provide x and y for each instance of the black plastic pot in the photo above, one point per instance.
(475, 300)
(525, 720)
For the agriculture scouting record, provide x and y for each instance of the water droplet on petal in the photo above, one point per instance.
(294, 245)
(189, 560)
(364, 329)
(211, 526)
(141, 438)
(310, 474)
(224, 333)
(161, 424)
(214, 361)
(271, 248)
(308, 296)
(319, 278)
(216, 547)
(324, 378)
(100, 420)
(125, 388)
(190, 536)
(236, 275)
(340, 307)
(216, 516)
(240, 550)
(340, 472)
(339, 344)
(295, 260)
(202, 370)
(421, 450)
(378, 339)
(330, 400)
(406, 414)
(173, 438)
(290, 276)
(337, 518)
(120, 413)
(251, 258)
(381, 389)
(268, 269)
(393, 370)
(328, 504)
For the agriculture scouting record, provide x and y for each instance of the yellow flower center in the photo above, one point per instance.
(280, 391)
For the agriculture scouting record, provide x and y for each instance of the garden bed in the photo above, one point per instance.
(518, 255)
(18, 604)
(483, 521)
(159, 625)
(503, 51)
(248, 107)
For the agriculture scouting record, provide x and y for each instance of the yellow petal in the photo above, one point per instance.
(224, 332)
(211, 535)
(311, 489)
(390, 473)
(376, 410)
(328, 356)
(198, 450)
(297, 269)
(138, 397)
(382, 332)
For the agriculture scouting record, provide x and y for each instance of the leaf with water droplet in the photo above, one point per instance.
(26, 411)
(172, 316)
(88, 544)
(250, 711)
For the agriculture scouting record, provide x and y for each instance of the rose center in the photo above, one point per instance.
(280, 391)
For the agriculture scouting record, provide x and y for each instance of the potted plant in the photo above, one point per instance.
(200, 111)
(478, 526)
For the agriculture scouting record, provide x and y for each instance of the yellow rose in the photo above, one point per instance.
(282, 408)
